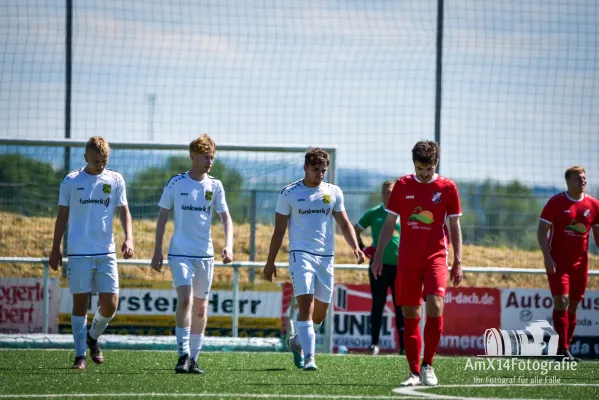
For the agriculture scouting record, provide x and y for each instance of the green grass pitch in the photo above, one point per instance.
(149, 374)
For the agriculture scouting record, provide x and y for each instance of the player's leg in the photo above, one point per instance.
(378, 291)
(106, 283)
(435, 284)
(323, 293)
(408, 289)
(303, 276)
(391, 271)
(80, 274)
(578, 284)
(202, 282)
(182, 271)
(559, 284)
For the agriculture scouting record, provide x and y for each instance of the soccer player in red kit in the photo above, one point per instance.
(424, 202)
(563, 235)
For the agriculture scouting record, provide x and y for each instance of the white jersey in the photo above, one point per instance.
(310, 211)
(91, 200)
(193, 202)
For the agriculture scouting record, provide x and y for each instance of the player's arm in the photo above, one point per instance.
(158, 257)
(358, 230)
(368, 251)
(349, 234)
(276, 241)
(384, 237)
(227, 252)
(596, 234)
(59, 228)
(125, 217)
(542, 238)
(455, 230)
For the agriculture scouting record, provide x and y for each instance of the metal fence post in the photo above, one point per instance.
(235, 332)
(252, 271)
(46, 294)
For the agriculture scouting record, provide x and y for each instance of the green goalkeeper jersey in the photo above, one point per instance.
(375, 218)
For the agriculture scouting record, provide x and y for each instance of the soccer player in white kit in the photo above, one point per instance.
(87, 199)
(308, 207)
(193, 195)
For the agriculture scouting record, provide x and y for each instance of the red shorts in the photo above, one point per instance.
(570, 281)
(415, 283)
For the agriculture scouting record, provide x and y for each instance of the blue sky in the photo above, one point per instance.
(520, 89)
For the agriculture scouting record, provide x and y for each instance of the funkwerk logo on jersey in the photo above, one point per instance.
(186, 207)
(422, 216)
(106, 201)
(324, 211)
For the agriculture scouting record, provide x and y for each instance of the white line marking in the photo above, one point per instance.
(223, 395)
(416, 391)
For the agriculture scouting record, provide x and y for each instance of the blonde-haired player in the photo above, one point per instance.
(193, 195)
(87, 200)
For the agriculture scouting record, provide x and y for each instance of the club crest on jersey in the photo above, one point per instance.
(436, 197)
(106, 188)
(208, 195)
(587, 212)
(326, 198)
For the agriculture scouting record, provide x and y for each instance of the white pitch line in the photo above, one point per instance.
(417, 391)
(225, 395)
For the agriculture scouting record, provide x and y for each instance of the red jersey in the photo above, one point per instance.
(423, 209)
(571, 221)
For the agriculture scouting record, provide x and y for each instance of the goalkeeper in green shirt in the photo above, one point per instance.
(374, 218)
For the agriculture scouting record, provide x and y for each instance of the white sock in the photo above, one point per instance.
(99, 324)
(195, 345)
(182, 335)
(79, 328)
(305, 332)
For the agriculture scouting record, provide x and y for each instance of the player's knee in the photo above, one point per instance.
(200, 312)
(184, 303)
(411, 311)
(561, 302)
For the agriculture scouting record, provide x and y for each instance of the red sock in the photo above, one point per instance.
(432, 337)
(571, 326)
(413, 343)
(560, 323)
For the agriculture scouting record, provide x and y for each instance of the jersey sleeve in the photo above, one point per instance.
(219, 198)
(121, 194)
(366, 220)
(339, 204)
(167, 199)
(596, 219)
(392, 205)
(548, 213)
(283, 205)
(454, 208)
(64, 194)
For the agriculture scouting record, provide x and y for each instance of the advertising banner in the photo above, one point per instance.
(22, 305)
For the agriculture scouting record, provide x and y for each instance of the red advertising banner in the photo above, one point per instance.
(22, 305)
(469, 312)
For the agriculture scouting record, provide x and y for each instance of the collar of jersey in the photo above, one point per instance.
(574, 200)
(431, 181)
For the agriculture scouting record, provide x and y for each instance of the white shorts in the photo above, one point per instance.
(98, 274)
(312, 274)
(195, 272)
